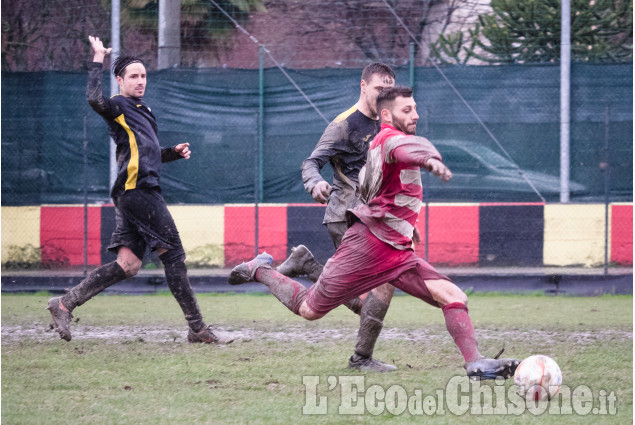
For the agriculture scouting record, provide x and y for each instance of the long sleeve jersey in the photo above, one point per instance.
(391, 185)
(344, 145)
(133, 127)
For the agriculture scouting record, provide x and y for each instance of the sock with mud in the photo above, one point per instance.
(460, 327)
(289, 292)
(96, 281)
(179, 284)
(313, 270)
(371, 320)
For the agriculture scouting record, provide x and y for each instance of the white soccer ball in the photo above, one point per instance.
(538, 378)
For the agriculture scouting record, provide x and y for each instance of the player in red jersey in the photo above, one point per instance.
(377, 248)
(344, 145)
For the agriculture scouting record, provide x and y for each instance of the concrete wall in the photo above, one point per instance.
(518, 234)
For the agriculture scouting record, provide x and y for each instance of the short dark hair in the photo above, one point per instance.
(389, 94)
(377, 68)
(119, 65)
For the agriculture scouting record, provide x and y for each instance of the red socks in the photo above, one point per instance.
(287, 291)
(460, 327)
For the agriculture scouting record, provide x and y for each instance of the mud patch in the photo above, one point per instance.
(297, 333)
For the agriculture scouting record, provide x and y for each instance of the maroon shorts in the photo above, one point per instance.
(361, 263)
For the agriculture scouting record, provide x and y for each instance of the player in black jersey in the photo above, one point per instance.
(344, 145)
(142, 217)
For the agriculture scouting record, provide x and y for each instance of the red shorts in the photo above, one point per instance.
(361, 263)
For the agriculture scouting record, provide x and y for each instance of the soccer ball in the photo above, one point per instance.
(538, 378)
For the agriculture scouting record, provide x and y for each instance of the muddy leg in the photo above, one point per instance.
(179, 284)
(289, 292)
(373, 312)
(302, 263)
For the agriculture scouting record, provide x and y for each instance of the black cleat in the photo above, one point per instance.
(61, 317)
(294, 265)
(491, 368)
(207, 336)
(245, 272)
(368, 364)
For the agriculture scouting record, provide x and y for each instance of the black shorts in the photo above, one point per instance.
(142, 221)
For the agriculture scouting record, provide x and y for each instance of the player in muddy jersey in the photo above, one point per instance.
(344, 145)
(142, 217)
(377, 247)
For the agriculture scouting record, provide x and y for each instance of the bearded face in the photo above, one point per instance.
(404, 115)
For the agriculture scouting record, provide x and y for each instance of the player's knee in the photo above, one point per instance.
(307, 313)
(459, 297)
(130, 265)
(172, 256)
(384, 292)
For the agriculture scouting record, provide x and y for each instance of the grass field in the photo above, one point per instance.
(129, 362)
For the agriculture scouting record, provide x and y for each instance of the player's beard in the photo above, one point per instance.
(401, 125)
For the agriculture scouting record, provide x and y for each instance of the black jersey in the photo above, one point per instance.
(344, 144)
(133, 127)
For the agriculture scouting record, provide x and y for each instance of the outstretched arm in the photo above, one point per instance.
(94, 94)
(419, 151)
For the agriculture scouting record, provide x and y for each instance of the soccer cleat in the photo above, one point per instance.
(207, 336)
(368, 364)
(245, 272)
(491, 368)
(295, 265)
(61, 317)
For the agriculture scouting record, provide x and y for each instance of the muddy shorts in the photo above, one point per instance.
(361, 263)
(143, 221)
(337, 229)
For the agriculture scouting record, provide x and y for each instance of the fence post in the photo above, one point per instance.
(85, 154)
(565, 100)
(261, 114)
(412, 65)
(426, 190)
(115, 31)
(606, 169)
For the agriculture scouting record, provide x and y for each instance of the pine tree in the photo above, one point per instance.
(528, 31)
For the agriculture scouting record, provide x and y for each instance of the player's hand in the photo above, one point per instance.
(98, 48)
(183, 149)
(439, 169)
(321, 191)
(416, 236)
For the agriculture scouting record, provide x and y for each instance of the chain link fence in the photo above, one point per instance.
(250, 128)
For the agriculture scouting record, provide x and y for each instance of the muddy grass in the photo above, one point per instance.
(294, 333)
(129, 361)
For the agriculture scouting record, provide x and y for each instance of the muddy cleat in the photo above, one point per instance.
(61, 317)
(294, 265)
(368, 364)
(207, 336)
(491, 368)
(245, 272)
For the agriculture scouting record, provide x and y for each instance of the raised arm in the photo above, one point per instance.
(94, 94)
(414, 150)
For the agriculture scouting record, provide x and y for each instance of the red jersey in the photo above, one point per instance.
(391, 189)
